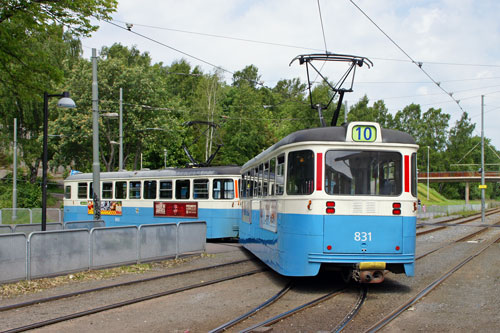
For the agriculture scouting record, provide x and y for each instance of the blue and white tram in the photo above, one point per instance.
(159, 196)
(341, 198)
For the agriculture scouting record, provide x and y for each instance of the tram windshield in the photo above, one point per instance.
(355, 172)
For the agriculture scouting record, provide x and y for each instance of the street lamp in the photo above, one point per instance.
(64, 102)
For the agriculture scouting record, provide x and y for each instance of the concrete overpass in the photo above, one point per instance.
(459, 177)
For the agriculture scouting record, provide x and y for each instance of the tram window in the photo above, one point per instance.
(223, 189)
(120, 190)
(249, 184)
(134, 190)
(200, 189)
(82, 190)
(165, 189)
(280, 175)
(67, 192)
(149, 189)
(300, 172)
(107, 190)
(414, 174)
(355, 172)
(272, 175)
(182, 189)
(265, 179)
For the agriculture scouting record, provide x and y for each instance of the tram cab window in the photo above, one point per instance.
(120, 190)
(300, 172)
(223, 189)
(200, 189)
(82, 190)
(107, 190)
(165, 189)
(354, 172)
(134, 190)
(280, 175)
(149, 189)
(67, 192)
(182, 189)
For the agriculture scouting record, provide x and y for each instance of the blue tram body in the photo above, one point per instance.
(341, 198)
(160, 196)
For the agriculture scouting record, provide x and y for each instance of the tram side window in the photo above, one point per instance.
(121, 190)
(165, 189)
(82, 190)
(149, 189)
(223, 189)
(354, 172)
(272, 176)
(300, 172)
(248, 183)
(67, 192)
(414, 174)
(134, 190)
(107, 190)
(182, 189)
(280, 175)
(200, 189)
(265, 180)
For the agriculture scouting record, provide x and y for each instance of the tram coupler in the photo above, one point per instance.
(370, 272)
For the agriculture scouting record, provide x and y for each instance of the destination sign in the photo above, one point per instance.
(364, 133)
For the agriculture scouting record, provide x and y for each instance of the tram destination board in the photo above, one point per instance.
(176, 209)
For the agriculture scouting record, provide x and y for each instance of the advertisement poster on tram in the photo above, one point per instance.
(108, 207)
(176, 209)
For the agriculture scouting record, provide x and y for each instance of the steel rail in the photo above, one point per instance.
(116, 285)
(283, 315)
(350, 316)
(128, 302)
(443, 224)
(384, 321)
(265, 304)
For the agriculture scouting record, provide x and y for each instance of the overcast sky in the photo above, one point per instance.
(457, 42)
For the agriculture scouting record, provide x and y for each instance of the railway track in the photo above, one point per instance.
(428, 288)
(363, 289)
(14, 309)
(433, 227)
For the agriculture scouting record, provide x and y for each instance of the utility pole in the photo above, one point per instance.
(428, 149)
(120, 154)
(14, 175)
(96, 167)
(483, 186)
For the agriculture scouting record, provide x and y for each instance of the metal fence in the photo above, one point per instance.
(42, 254)
(436, 211)
(29, 215)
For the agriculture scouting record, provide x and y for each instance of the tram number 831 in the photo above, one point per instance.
(362, 236)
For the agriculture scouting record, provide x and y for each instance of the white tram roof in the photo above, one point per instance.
(331, 134)
(164, 173)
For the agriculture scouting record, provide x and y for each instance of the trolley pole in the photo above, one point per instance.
(96, 168)
(483, 186)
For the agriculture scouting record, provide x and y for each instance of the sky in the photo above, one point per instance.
(457, 43)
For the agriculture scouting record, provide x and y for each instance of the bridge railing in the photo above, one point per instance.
(458, 174)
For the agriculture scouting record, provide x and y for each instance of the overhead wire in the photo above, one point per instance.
(418, 64)
(293, 46)
(322, 27)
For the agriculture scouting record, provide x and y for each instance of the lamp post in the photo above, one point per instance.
(64, 102)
